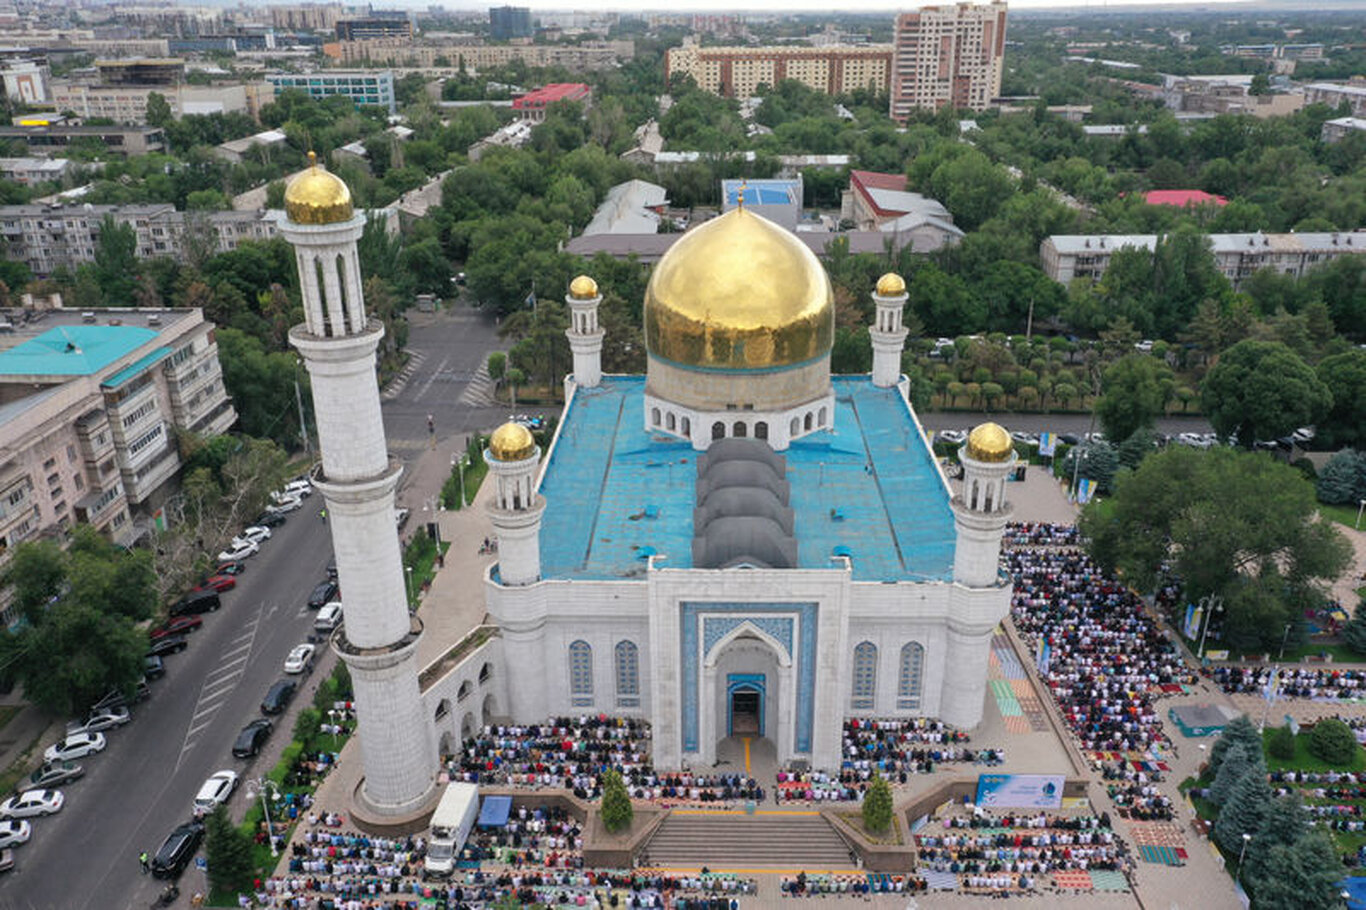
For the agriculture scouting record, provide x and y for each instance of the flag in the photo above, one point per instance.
(1084, 491)
(1048, 443)
(1272, 685)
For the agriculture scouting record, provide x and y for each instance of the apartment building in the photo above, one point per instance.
(27, 171)
(46, 237)
(375, 87)
(306, 16)
(948, 55)
(128, 103)
(1340, 128)
(508, 22)
(43, 139)
(737, 72)
(590, 55)
(376, 25)
(1064, 257)
(1335, 93)
(89, 406)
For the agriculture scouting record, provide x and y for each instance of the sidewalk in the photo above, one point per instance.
(30, 727)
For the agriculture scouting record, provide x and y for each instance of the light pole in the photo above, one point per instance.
(408, 571)
(263, 784)
(1360, 509)
(332, 716)
(1284, 638)
(458, 465)
(1241, 853)
(1211, 605)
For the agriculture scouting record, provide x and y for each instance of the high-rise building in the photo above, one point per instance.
(507, 22)
(737, 72)
(948, 55)
(375, 25)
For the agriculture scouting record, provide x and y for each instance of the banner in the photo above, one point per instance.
(1020, 791)
(1084, 491)
(1045, 657)
(1217, 655)
(1048, 443)
(1191, 628)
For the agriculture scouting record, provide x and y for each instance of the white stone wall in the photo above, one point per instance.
(398, 746)
(473, 694)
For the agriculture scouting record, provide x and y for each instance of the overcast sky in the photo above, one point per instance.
(806, 6)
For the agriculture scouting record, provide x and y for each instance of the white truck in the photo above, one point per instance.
(452, 821)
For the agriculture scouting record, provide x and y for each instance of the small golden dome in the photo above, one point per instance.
(990, 442)
(317, 196)
(583, 288)
(512, 442)
(739, 292)
(891, 285)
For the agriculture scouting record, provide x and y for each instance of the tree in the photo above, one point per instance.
(1245, 809)
(1239, 731)
(116, 262)
(1282, 744)
(1262, 390)
(1285, 823)
(1355, 632)
(261, 385)
(1344, 424)
(617, 811)
(228, 852)
(35, 575)
(1343, 479)
(1333, 741)
(877, 805)
(1303, 875)
(1238, 761)
(1134, 393)
(158, 110)
(1099, 463)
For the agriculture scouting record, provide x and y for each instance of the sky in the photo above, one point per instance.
(807, 6)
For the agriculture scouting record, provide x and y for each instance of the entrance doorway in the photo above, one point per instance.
(746, 704)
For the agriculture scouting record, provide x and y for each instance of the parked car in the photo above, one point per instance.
(218, 583)
(32, 803)
(215, 792)
(97, 721)
(77, 745)
(323, 593)
(286, 502)
(256, 534)
(6, 860)
(401, 517)
(116, 699)
(14, 832)
(278, 697)
(51, 774)
(301, 487)
(300, 660)
(950, 436)
(1070, 439)
(153, 667)
(177, 850)
(270, 518)
(178, 625)
(1028, 439)
(329, 617)
(170, 644)
(230, 568)
(252, 738)
(196, 602)
(244, 549)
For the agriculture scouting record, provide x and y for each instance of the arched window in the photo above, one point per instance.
(686, 427)
(865, 677)
(718, 430)
(911, 676)
(654, 417)
(628, 674)
(795, 428)
(807, 421)
(820, 417)
(669, 422)
(761, 430)
(739, 431)
(580, 673)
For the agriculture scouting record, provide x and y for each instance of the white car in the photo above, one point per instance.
(255, 534)
(77, 745)
(300, 660)
(14, 833)
(300, 488)
(329, 617)
(286, 502)
(215, 792)
(239, 549)
(31, 803)
(103, 719)
(952, 436)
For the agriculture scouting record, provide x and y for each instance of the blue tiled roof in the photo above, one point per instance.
(616, 493)
(76, 350)
(135, 368)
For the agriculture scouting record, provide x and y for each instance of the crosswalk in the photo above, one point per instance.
(479, 391)
(399, 382)
(220, 681)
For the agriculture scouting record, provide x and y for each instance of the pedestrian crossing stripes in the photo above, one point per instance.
(479, 391)
(397, 384)
(219, 682)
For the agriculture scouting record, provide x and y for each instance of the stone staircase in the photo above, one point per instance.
(733, 840)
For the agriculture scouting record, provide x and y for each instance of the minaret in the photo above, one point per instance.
(378, 640)
(888, 334)
(516, 509)
(584, 333)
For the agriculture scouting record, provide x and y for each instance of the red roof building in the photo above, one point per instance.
(532, 105)
(1182, 198)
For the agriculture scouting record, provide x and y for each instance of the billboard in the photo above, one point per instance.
(1019, 791)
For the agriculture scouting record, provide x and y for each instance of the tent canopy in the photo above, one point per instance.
(494, 813)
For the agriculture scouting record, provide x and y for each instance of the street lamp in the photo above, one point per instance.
(1360, 508)
(263, 784)
(409, 574)
(1285, 638)
(332, 716)
(1210, 604)
(458, 464)
(1241, 854)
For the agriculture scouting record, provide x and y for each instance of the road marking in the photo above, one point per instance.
(227, 669)
(244, 646)
(422, 392)
(224, 680)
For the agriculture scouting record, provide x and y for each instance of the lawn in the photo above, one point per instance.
(1343, 515)
(1303, 760)
(1341, 653)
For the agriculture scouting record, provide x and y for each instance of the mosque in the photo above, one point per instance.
(736, 543)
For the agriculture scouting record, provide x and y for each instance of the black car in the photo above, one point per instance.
(171, 644)
(153, 667)
(51, 774)
(252, 738)
(279, 697)
(323, 594)
(196, 602)
(270, 519)
(177, 850)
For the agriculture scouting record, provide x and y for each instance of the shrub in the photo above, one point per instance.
(877, 805)
(617, 811)
(1283, 743)
(1333, 741)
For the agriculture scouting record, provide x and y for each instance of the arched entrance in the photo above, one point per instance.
(490, 708)
(744, 680)
(745, 696)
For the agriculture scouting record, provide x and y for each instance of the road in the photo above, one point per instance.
(145, 781)
(1058, 423)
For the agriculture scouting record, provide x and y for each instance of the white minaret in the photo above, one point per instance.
(357, 478)
(980, 597)
(516, 509)
(888, 334)
(584, 333)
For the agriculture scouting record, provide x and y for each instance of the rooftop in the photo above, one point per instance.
(549, 94)
(617, 493)
(1182, 198)
(76, 350)
(762, 192)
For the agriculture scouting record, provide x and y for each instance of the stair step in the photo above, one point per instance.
(724, 840)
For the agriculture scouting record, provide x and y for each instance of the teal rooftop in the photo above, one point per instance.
(73, 350)
(868, 489)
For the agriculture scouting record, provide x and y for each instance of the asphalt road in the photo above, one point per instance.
(143, 784)
(1057, 423)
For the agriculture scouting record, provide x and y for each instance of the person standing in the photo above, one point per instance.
(144, 862)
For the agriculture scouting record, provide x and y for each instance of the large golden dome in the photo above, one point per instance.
(317, 196)
(739, 292)
(512, 442)
(990, 442)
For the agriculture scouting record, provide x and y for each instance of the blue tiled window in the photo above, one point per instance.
(580, 674)
(865, 677)
(628, 674)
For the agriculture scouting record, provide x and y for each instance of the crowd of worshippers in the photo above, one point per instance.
(1108, 660)
(897, 749)
(1293, 682)
(819, 885)
(1025, 846)
(544, 836)
(354, 854)
(563, 752)
(1040, 534)
(1138, 797)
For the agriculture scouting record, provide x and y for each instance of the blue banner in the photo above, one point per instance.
(1020, 791)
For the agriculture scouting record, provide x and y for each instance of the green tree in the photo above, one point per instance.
(1344, 424)
(877, 805)
(1343, 479)
(158, 110)
(228, 852)
(1285, 823)
(1262, 390)
(1355, 632)
(617, 811)
(1238, 761)
(1099, 463)
(116, 262)
(1134, 392)
(1333, 741)
(1303, 875)
(1245, 809)
(1239, 731)
(971, 187)
(262, 386)
(35, 575)
(1282, 744)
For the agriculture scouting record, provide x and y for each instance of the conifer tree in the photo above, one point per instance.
(617, 811)
(877, 805)
(1245, 811)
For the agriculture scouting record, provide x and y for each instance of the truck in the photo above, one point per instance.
(451, 823)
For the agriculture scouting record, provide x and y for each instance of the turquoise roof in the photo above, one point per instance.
(135, 368)
(74, 350)
(869, 488)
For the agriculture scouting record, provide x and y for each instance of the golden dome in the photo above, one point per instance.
(583, 288)
(512, 442)
(739, 292)
(891, 285)
(317, 196)
(990, 442)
